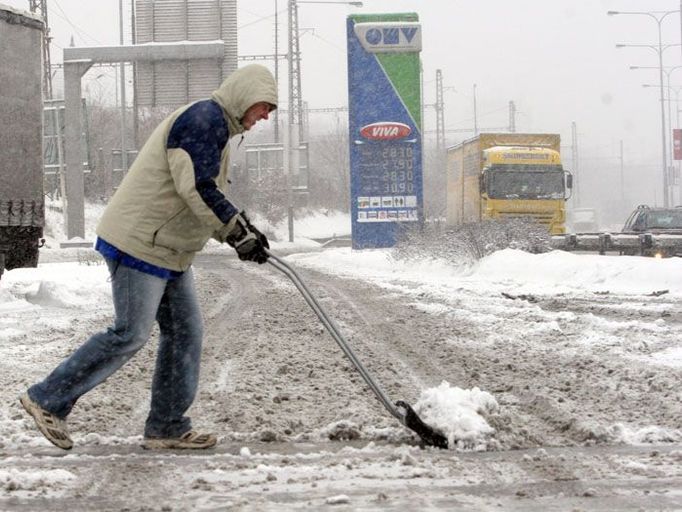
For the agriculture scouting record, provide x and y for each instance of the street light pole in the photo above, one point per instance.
(658, 19)
(667, 71)
(676, 90)
(666, 192)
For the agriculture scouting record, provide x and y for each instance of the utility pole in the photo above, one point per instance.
(576, 173)
(133, 40)
(622, 176)
(440, 115)
(293, 133)
(124, 154)
(512, 117)
(276, 113)
(35, 6)
(475, 115)
(295, 96)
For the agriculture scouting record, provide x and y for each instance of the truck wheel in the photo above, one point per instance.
(22, 254)
(30, 255)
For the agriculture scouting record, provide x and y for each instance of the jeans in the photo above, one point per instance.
(139, 299)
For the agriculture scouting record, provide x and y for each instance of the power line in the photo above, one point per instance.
(80, 31)
(263, 18)
(343, 50)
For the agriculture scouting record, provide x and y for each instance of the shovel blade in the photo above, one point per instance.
(427, 434)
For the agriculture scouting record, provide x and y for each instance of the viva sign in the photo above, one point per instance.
(385, 131)
(381, 37)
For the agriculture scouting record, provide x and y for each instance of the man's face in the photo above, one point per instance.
(255, 113)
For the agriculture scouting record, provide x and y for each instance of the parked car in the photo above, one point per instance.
(659, 230)
(654, 220)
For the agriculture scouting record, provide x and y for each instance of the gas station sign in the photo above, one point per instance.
(385, 126)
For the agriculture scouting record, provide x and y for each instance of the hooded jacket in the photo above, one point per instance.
(173, 198)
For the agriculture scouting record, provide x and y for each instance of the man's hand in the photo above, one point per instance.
(249, 243)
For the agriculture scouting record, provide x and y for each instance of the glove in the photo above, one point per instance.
(249, 243)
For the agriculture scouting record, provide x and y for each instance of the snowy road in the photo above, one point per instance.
(588, 416)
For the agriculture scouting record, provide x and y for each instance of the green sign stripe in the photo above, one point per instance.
(403, 70)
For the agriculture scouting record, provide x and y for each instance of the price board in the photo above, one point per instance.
(386, 184)
(385, 127)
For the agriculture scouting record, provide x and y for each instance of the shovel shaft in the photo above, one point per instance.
(331, 327)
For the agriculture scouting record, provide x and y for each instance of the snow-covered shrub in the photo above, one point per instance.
(471, 241)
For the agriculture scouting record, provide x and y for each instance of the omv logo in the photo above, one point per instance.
(389, 37)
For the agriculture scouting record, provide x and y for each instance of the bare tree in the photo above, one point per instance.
(103, 134)
(329, 178)
(435, 183)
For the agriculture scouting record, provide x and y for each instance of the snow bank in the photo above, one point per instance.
(510, 269)
(317, 224)
(568, 271)
(56, 285)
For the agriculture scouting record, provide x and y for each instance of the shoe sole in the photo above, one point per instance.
(177, 444)
(33, 410)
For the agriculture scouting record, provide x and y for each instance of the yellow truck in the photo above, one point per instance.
(507, 176)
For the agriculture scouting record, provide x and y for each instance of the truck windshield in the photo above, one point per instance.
(527, 183)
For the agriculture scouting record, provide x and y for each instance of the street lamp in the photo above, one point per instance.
(677, 91)
(658, 17)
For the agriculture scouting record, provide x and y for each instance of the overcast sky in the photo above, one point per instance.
(555, 59)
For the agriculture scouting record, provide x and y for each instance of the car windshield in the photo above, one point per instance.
(528, 183)
(665, 219)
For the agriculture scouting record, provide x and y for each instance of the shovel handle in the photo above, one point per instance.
(334, 331)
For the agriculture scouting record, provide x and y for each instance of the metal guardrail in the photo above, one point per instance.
(644, 244)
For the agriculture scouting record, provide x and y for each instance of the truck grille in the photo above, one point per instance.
(541, 218)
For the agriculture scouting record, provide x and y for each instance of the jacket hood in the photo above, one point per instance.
(245, 87)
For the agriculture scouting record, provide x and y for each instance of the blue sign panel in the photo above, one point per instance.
(385, 127)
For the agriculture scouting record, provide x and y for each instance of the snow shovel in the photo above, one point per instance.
(401, 410)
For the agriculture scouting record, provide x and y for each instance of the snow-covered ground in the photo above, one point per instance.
(510, 312)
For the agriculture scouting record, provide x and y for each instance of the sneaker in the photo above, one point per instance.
(191, 440)
(53, 428)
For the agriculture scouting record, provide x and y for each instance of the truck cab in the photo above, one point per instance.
(527, 182)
